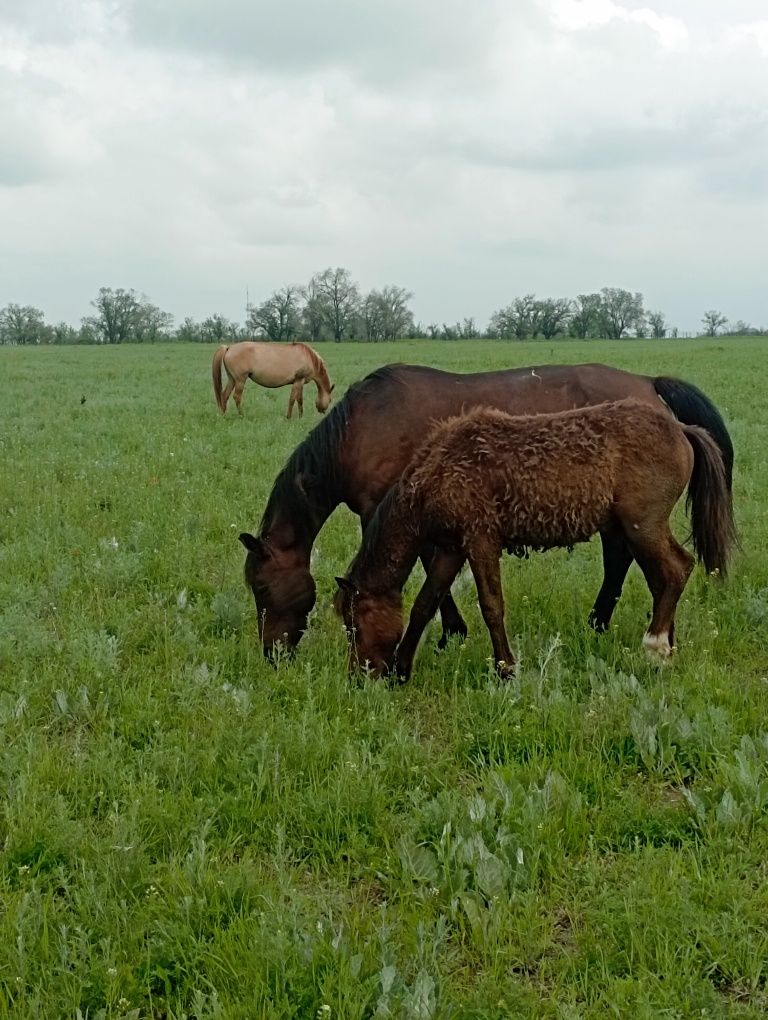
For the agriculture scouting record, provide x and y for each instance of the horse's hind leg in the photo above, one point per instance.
(666, 566)
(485, 568)
(239, 387)
(227, 392)
(617, 559)
(441, 574)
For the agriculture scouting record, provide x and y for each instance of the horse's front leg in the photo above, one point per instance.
(295, 395)
(484, 563)
(452, 620)
(443, 570)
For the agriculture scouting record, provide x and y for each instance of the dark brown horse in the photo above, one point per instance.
(488, 481)
(365, 442)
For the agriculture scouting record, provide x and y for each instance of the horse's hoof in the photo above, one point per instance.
(506, 670)
(657, 648)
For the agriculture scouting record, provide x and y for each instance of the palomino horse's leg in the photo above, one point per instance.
(294, 397)
(227, 391)
(239, 387)
(666, 566)
(441, 574)
(617, 560)
(485, 568)
(300, 400)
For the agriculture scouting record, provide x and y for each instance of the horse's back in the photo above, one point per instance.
(269, 364)
(547, 480)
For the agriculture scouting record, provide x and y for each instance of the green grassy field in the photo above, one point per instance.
(188, 832)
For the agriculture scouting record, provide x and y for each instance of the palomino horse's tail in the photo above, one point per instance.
(692, 407)
(709, 502)
(218, 358)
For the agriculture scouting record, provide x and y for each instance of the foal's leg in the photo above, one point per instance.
(666, 566)
(485, 568)
(617, 559)
(452, 620)
(441, 574)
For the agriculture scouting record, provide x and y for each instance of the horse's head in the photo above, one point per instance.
(283, 590)
(374, 625)
(323, 401)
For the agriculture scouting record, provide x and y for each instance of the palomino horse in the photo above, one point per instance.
(487, 481)
(271, 365)
(363, 445)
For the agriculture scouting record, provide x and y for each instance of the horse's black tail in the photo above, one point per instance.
(710, 503)
(692, 407)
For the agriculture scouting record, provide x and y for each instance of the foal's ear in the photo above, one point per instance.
(254, 545)
(346, 585)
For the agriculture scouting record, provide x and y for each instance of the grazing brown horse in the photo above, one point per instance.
(363, 445)
(271, 365)
(488, 481)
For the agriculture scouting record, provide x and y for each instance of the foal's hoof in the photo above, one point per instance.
(657, 647)
(506, 670)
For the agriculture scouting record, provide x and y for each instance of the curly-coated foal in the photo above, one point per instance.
(487, 481)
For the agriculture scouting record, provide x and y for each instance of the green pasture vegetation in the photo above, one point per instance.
(186, 831)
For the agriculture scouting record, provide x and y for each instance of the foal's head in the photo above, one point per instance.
(374, 625)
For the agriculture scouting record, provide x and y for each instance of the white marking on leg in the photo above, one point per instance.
(657, 645)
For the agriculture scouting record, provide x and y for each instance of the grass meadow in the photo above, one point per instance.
(187, 832)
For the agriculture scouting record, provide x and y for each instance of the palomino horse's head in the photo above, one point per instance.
(283, 590)
(323, 401)
(374, 625)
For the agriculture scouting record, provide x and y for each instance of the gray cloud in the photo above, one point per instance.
(469, 151)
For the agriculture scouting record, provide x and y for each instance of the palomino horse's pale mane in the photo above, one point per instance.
(270, 365)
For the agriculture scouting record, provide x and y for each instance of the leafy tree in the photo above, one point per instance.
(116, 315)
(22, 324)
(552, 316)
(713, 321)
(585, 316)
(278, 317)
(385, 314)
(188, 331)
(151, 323)
(312, 315)
(518, 320)
(63, 333)
(219, 330)
(338, 300)
(620, 311)
(657, 325)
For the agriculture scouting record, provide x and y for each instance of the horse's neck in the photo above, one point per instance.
(385, 563)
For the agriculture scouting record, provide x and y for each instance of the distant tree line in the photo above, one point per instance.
(332, 307)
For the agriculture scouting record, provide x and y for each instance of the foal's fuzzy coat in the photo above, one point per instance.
(487, 481)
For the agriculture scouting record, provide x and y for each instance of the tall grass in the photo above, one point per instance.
(186, 831)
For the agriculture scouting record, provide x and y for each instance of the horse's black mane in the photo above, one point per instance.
(309, 485)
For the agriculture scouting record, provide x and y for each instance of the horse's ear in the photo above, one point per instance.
(254, 545)
(346, 585)
(333, 387)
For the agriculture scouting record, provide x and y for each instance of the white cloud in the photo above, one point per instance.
(469, 151)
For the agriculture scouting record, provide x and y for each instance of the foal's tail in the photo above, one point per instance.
(709, 502)
(218, 358)
(692, 407)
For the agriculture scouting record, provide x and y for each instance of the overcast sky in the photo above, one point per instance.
(469, 150)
